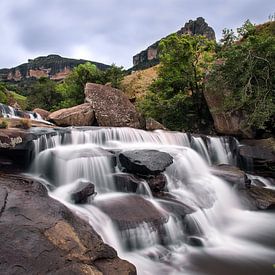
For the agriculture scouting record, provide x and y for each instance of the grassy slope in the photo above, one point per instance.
(136, 84)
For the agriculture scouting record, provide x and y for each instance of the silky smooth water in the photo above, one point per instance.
(232, 240)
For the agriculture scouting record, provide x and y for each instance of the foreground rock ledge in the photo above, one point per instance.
(39, 235)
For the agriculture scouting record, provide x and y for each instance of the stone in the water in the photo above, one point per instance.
(157, 183)
(83, 192)
(130, 211)
(126, 182)
(39, 235)
(256, 197)
(145, 162)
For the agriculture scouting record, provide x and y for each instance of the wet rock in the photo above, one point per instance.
(126, 182)
(83, 192)
(229, 173)
(43, 113)
(145, 162)
(112, 107)
(195, 241)
(256, 197)
(261, 156)
(130, 211)
(157, 183)
(39, 235)
(80, 115)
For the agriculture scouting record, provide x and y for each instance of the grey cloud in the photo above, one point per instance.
(109, 30)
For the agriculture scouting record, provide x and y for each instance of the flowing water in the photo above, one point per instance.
(218, 237)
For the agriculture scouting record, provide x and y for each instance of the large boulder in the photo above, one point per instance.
(226, 123)
(43, 113)
(145, 162)
(256, 197)
(83, 191)
(260, 154)
(131, 211)
(80, 115)
(112, 107)
(39, 235)
(229, 173)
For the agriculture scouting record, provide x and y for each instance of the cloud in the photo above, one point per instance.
(109, 30)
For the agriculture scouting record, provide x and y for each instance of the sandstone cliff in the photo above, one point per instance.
(149, 57)
(53, 66)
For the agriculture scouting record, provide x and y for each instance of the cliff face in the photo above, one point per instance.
(149, 57)
(53, 66)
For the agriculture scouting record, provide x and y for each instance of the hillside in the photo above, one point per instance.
(136, 84)
(53, 66)
(149, 57)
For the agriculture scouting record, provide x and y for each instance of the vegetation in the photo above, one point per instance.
(72, 89)
(176, 96)
(247, 67)
(43, 94)
(4, 123)
(25, 123)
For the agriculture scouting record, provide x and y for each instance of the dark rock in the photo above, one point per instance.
(126, 182)
(39, 235)
(260, 154)
(229, 173)
(157, 183)
(130, 211)
(80, 115)
(145, 162)
(112, 107)
(195, 241)
(83, 192)
(256, 197)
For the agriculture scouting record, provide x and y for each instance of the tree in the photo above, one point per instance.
(247, 68)
(176, 97)
(72, 88)
(42, 94)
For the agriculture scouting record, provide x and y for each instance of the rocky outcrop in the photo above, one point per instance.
(39, 235)
(83, 191)
(149, 57)
(130, 211)
(152, 125)
(112, 107)
(52, 66)
(259, 155)
(229, 173)
(144, 162)
(256, 197)
(226, 123)
(80, 115)
(43, 113)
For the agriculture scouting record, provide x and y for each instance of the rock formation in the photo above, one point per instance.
(112, 107)
(80, 115)
(53, 66)
(39, 235)
(149, 57)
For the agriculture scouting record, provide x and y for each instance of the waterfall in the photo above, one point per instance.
(171, 240)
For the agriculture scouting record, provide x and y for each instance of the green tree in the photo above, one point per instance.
(42, 94)
(72, 88)
(247, 69)
(113, 75)
(176, 97)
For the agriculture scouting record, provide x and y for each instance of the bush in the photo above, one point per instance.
(25, 123)
(4, 123)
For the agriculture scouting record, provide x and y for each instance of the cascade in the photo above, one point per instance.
(205, 231)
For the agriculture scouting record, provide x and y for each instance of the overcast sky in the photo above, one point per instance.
(109, 31)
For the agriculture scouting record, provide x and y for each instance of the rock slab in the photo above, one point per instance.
(145, 162)
(112, 107)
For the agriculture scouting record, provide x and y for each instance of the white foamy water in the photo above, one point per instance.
(226, 239)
